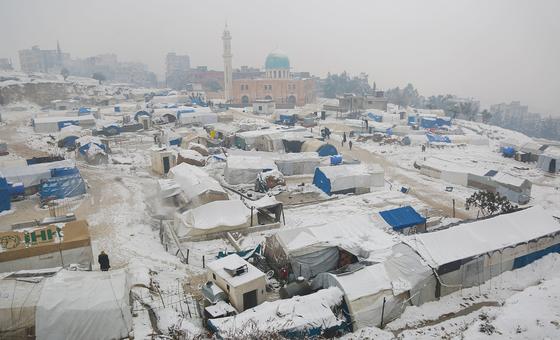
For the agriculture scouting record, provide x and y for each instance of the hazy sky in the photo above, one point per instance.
(493, 50)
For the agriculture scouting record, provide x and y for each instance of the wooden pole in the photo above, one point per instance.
(203, 262)
(382, 312)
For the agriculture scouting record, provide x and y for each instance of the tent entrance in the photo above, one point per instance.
(249, 299)
(552, 165)
(166, 164)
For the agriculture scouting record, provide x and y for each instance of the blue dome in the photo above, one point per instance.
(277, 60)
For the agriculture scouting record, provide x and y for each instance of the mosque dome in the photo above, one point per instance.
(277, 60)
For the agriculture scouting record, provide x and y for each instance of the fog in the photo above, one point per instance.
(491, 50)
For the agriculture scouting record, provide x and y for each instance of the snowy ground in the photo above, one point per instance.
(120, 200)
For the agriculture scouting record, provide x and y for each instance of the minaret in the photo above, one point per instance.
(228, 72)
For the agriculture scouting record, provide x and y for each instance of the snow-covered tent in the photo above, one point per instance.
(199, 115)
(549, 160)
(299, 317)
(31, 176)
(471, 253)
(516, 189)
(54, 124)
(445, 170)
(163, 159)
(45, 247)
(197, 186)
(191, 157)
(309, 251)
(297, 163)
(322, 148)
(396, 280)
(60, 304)
(244, 169)
(214, 217)
(403, 219)
(351, 178)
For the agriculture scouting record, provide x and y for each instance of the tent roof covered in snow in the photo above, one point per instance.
(67, 305)
(244, 169)
(357, 234)
(299, 316)
(31, 175)
(333, 179)
(403, 217)
(479, 237)
(217, 216)
(195, 183)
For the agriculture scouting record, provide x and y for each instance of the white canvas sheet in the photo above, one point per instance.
(344, 177)
(244, 169)
(476, 238)
(84, 305)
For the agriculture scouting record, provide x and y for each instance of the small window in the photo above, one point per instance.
(214, 276)
(227, 286)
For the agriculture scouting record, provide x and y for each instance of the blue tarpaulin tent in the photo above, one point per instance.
(62, 187)
(403, 217)
(336, 159)
(59, 172)
(321, 181)
(411, 120)
(65, 123)
(428, 122)
(84, 148)
(69, 141)
(5, 197)
(437, 138)
(443, 121)
(508, 151)
(327, 150)
(374, 117)
(84, 110)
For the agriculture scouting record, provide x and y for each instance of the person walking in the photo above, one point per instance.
(103, 260)
(350, 144)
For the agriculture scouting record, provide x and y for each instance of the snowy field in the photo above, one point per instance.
(121, 203)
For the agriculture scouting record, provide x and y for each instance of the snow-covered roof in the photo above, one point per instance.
(249, 162)
(507, 179)
(193, 180)
(31, 175)
(297, 313)
(45, 120)
(364, 282)
(347, 170)
(217, 214)
(232, 262)
(476, 238)
(358, 234)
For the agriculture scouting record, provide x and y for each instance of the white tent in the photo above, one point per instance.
(214, 217)
(314, 250)
(549, 160)
(357, 178)
(32, 175)
(299, 316)
(67, 305)
(197, 186)
(297, 163)
(244, 169)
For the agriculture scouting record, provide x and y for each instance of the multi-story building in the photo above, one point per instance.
(5, 64)
(38, 60)
(177, 68)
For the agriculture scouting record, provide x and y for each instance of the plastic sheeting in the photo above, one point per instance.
(63, 186)
(84, 305)
(342, 178)
(32, 175)
(244, 169)
(403, 217)
(197, 187)
(218, 216)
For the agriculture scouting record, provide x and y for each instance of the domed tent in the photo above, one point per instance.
(322, 148)
(141, 113)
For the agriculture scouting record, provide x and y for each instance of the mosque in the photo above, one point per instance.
(278, 83)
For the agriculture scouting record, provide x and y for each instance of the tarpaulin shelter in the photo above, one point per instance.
(309, 251)
(61, 304)
(141, 113)
(45, 247)
(5, 196)
(300, 317)
(402, 218)
(508, 151)
(297, 163)
(214, 217)
(549, 160)
(437, 138)
(31, 176)
(197, 186)
(62, 187)
(428, 122)
(54, 124)
(322, 148)
(351, 178)
(244, 169)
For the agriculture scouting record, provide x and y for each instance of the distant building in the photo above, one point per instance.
(5, 64)
(177, 68)
(278, 84)
(38, 60)
(351, 102)
(513, 108)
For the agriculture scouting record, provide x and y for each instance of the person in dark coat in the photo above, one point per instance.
(103, 260)
(350, 144)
